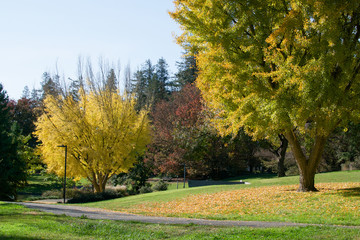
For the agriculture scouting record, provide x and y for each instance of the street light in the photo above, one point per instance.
(184, 174)
(64, 146)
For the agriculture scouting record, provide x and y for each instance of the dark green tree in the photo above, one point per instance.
(143, 81)
(187, 71)
(26, 92)
(151, 83)
(24, 112)
(342, 147)
(12, 167)
(135, 178)
(161, 80)
(111, 81)
(50, 85)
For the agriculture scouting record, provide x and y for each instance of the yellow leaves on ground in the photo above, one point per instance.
(334, 201)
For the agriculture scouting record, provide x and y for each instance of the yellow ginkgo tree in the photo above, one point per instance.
(289, 67)
(102, 130)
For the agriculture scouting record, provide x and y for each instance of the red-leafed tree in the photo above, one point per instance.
(183, 136)
(24, 112)
(171, 120)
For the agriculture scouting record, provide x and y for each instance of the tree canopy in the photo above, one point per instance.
(183, 136)
(12, 166)
(102, 131)
(277, 67)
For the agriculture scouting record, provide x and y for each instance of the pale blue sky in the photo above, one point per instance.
(38, 35)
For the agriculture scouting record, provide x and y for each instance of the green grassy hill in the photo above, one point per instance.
(266, 198)
(255, 181)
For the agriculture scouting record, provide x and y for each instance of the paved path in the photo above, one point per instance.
(97, 213)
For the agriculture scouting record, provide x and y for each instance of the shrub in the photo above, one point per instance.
(160, 185)
(120, 189)
(58, 193)
(58, 182)
(52, 194)
(135, 178)
(145, 189)
(84, 197)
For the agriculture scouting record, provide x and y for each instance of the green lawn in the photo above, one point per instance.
(254, 180)
(17, 222)
(37, 185)
(267, 198)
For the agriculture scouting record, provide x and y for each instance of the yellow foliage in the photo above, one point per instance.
(102, 131)
(277, 67)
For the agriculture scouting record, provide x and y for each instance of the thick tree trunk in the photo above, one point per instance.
(281, 167)
(307, 165)
(307, 181)
(99, 182)
(99, 187)
(96, 186)
(281, 156)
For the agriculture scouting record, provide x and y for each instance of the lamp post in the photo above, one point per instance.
(64, 189)
(184, 174)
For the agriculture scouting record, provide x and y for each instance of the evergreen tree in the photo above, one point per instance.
(140, 89)
(26, 92)
(127, 78)
(74, 88)
(111, 81)
(50, 85)
(187, 71)
(35, 95)
(151, 83)
(12, 167)
(162, 80)
(24, 112)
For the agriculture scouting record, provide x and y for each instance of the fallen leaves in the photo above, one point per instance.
(339, 201)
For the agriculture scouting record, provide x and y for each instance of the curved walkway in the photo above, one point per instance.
(97, 213)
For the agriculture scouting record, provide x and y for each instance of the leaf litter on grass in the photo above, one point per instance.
(335, 203)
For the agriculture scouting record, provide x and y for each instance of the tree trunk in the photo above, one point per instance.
(307, 181)
(307, 165)
(281, 167)
(281, 155)
(96, 186)
(99, 181)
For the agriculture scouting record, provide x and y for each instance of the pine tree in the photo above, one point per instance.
(151, 83)
(12, 167)
(162, 80)
(50, 85)
(187, 70)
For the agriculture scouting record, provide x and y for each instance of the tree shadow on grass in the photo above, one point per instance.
(16, 238)
(37, 189)
(247, 176)
(349, 192)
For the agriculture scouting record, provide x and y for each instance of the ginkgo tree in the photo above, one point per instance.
(286, 67)
(103, 133)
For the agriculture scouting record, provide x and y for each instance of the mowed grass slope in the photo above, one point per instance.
(267, 198)
(20, 223)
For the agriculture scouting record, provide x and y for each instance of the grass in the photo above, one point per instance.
(179, 185)
(17, 222)
(37, 185)
(267, 198)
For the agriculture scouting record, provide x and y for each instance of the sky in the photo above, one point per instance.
(40, 36)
